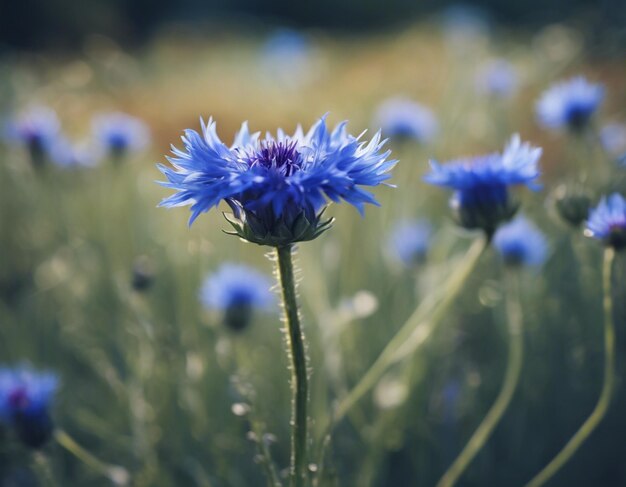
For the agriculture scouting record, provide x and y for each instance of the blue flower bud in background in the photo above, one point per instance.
(481, 198)
(569, 104)
(25, 400)
(72, 155)
(572, 203)
(277, 187)
(613, 139)
(236, 291)
(403, 118)
(410, 241)
(143, 273)
(120, 134)
(288, 58)
(36, 129)
(520, 243)
(497, 78)
(607, 222)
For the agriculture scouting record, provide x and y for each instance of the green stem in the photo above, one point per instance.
(415, 330)
(607, 388)
(511, 378)
(117, 475)
(299, 374)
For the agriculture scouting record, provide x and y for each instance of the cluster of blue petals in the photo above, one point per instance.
(569, 104)
(234, 285)
(482, 182)
(118, 132)
(404, 118)
(521, 243)
(37, 128)
(607, 222)
(25, 400)
(497, 78)
(275, 177)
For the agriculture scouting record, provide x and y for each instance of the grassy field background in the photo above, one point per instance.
(150, 380)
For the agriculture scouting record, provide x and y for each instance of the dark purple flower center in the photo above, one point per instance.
(282, 156)
(18, 398)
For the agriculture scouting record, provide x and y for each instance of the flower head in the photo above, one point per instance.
(288, 58)
(119, 133)
(71, 155)
(607, 221)
(481, 184)
(569, 104)
(25, 399)
(404, 118)
(410, 240)
(38, 129)
(520, 243)
(237, 290)
(613, 138)
(497, 78)
(572, 203)
(276, 186)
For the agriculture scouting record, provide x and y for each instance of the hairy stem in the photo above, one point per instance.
(511, 378)
(607, 388)
(298, 365)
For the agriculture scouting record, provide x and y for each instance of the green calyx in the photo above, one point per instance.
(279, 232)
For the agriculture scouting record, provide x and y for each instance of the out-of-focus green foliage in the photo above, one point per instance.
(152, 383)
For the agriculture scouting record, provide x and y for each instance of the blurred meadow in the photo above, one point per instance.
(102, 287)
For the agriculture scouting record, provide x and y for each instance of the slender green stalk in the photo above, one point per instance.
(117, 475)
(299, 374)
(607, 388)
(413, 334)
(415, 330)
(511, 378)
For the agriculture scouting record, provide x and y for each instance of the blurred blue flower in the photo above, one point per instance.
(410, 241)
(613, 138)
(520, 243)
(404, 118)
(237, 290)
(119, 133)
(37, 129)
(286, 43)
(481, 184)
(69, 155)
(497, 78)
(569, 104)
(288, 57)
(276, 186)
(607, 222)
(25, 400)
(463, 25)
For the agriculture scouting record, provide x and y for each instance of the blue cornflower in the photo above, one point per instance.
(481, 184)
(410, 241)
(288, 58)
(37, 129)
(607, 222)
(569, 104)
(236, 291)
(404, 118)
(120, 134)
(497, 78)
(520, 243)
(613, 138)
(70, 155)
(277, 186)
(25, 400)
